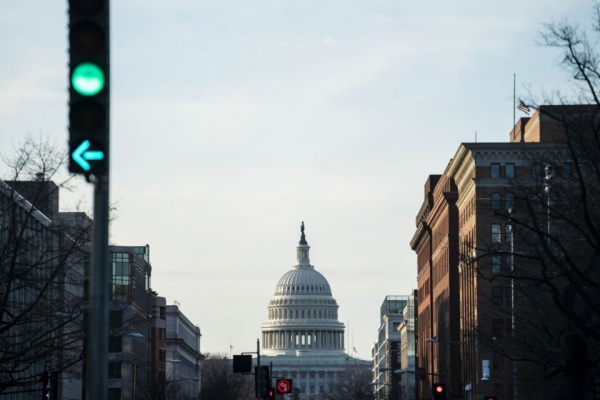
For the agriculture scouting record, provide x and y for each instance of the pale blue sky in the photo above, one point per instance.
(233, 121)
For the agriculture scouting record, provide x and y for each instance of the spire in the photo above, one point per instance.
(302, 237)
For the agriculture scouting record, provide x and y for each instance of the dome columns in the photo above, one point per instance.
(297, 339)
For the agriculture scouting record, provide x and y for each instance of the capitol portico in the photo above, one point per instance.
(303, 338)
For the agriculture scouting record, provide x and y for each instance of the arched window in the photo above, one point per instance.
(495, 198)
(510, 201)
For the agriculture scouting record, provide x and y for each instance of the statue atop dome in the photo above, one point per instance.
(302, 237)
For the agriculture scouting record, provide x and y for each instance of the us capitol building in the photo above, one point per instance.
(303, 338)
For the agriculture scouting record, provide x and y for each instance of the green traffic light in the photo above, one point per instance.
(88, 79)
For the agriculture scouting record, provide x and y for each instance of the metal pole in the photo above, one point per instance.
(258, 352)
(513, 304)
(98, 361)
(134, 380)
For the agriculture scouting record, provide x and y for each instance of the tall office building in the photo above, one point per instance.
(130, 365)
(386, 352)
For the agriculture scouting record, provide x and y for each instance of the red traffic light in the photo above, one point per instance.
(439, 391)
(283, 386)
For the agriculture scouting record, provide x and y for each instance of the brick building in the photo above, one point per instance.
(465, 246)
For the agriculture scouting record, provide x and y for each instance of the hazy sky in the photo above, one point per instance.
(233, 121)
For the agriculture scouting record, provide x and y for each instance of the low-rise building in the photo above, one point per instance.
(183, 345)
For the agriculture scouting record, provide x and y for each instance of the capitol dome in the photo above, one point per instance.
(303, 315)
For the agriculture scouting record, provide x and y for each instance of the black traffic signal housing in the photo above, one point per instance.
(283, 386)
(242, 364)
(89, 77)
(490, 398)
(262, 381)
(439, 391)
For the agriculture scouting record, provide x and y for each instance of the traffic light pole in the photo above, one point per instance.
(89, 137)
(100, 267)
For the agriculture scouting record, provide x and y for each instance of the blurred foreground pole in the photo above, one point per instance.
(100, 267)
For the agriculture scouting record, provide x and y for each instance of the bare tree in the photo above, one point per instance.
(555, 251)
(219, 381)
(352, 384)
(42, 252)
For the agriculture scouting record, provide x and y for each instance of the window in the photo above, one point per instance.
(510, 170)
(496, 233)
(566, 170)
(508, 233)
(538, 202)
(549, 172)
(496, 265)
(120, 276)
(508, 299)
(583, 168)
(114, 370)
(536, 170)
(498, 327)
(497, 295)
(115, 344)
(495, 200)
(509, 263)
(495, 170)
(552, 196)
(163, 312)
(510, 201)
(113, 394)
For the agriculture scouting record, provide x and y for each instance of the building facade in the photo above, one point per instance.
(408, 350)
(303, 338)
(130, 362)
(42, 255)
(466, 248)
(386, 352)
(183, 345)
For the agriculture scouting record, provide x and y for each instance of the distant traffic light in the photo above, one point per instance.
(490, 398)
(439, 391)
(89, 67)
(283, 386)
(262, 381)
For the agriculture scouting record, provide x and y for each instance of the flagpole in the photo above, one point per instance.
(514, 101)
(348, 338)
